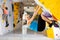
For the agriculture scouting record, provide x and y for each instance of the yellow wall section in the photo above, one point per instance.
(16, 11)
(53, 6)
(40, 11)
(50, 32)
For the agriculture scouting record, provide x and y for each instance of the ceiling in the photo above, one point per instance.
(29, 2)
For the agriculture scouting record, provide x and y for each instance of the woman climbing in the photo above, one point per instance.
(5, 14)
(33, 25)
(39, 25)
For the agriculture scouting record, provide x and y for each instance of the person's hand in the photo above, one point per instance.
(36, 11)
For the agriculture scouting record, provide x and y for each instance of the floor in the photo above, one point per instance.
(17, 35)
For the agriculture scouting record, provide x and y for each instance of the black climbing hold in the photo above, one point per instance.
(14, 25)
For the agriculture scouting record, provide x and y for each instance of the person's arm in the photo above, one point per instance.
(32, 18)
(36, 8)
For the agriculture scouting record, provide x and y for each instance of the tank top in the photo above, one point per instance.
(34, 26)
(5, 11)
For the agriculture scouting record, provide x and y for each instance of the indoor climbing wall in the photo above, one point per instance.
(49, 31)
(16, 12)
(6, 17)
(52, 6)
(53, 32)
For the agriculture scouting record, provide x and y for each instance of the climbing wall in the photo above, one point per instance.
(49, 31)
(4, 28)
(52, 6)
(53, 32)
(16, 12)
